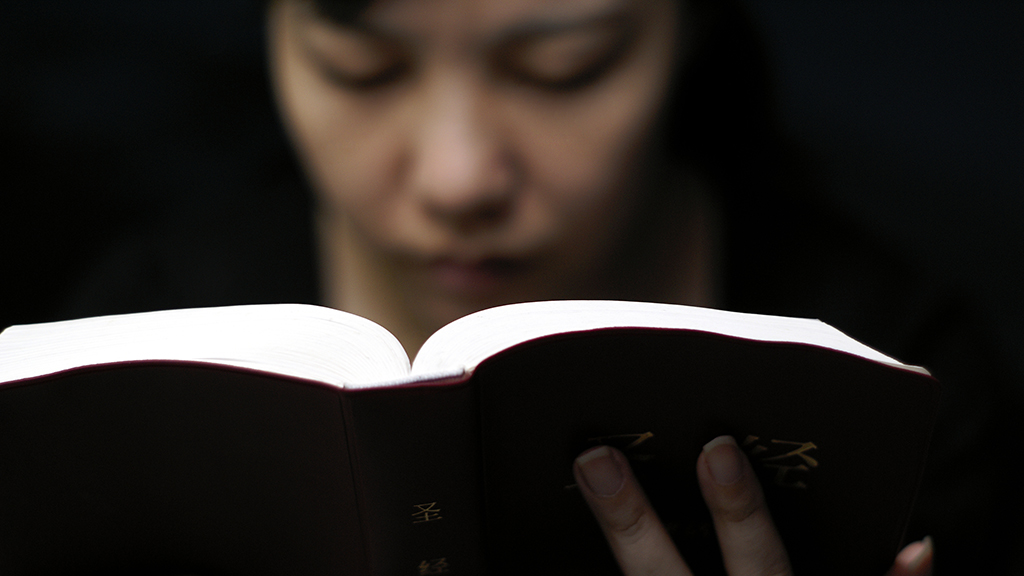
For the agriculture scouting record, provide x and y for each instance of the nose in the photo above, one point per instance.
(461, 174)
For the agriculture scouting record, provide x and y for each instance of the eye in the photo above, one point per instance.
(363, 79)
(354, 59)
(565, 60)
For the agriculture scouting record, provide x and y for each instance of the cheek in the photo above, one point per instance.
(588, 158)
(589, 149)
(581, 157)
(346, 160)
(344, 144)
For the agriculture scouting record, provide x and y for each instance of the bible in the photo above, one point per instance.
(287, 438)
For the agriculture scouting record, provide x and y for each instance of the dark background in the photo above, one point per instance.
(115, 112)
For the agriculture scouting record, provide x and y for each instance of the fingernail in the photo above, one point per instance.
(600, 471)
(724, 460)
(922, 555)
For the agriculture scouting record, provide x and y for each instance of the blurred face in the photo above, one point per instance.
(478, 152)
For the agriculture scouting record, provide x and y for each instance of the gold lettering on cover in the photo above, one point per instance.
(788, 465)
(800, 452)
(428, 512)
(627, 443)
(757, 449)
(435, 566)
(618, 439)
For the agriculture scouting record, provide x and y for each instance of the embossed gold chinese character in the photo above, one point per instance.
(428, 512)
(624, 442)
(789, 464)
(435, 566)
(627, 443)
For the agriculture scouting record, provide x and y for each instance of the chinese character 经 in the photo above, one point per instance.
(435, 566)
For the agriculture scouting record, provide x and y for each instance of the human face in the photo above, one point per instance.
(479, 152)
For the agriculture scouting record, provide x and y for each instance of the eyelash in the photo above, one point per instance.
(586, 76)
(590, 73)
(366, 83)
(578, 80)
(393, 74)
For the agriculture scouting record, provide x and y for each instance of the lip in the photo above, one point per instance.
(473, 277)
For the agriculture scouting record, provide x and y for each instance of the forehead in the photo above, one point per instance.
(482, 19)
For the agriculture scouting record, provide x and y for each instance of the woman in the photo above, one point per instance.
(469, 153)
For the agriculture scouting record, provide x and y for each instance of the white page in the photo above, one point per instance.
(304, 341)
(466, 342)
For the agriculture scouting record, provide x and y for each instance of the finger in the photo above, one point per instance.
(748, 539)
(914, 560)
(636, 536)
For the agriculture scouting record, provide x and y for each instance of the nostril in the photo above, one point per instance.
(475, 191)
(467, 217)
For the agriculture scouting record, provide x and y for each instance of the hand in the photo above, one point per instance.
(746, 534)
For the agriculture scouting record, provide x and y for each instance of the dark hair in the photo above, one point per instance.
(341, 11)
(721, 115)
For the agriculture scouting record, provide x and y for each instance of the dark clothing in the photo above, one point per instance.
(781, 258)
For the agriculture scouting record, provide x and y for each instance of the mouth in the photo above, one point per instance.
(474, 278)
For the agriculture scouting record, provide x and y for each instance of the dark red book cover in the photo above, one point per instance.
(164, 468)
(840, 444)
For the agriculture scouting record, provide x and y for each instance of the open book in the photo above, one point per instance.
(294, 438)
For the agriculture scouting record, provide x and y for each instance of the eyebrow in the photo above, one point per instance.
(516, 33)
(619, 14)
(372, 31)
